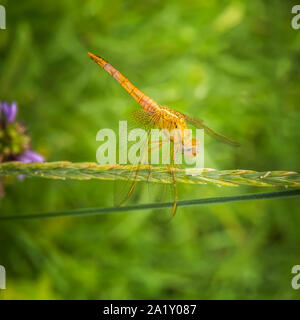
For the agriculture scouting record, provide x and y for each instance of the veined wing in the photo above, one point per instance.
(199, 124)
(124, 189)
(147, 121)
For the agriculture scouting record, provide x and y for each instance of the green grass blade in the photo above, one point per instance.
(90, 170)
(183, 203)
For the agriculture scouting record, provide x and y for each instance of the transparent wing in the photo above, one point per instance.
(199, 124)
(123, 189)
(143, 118)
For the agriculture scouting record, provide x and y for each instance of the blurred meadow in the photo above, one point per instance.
(235, 64)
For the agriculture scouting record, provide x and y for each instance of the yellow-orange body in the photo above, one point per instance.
(162, 117)
(173, 123)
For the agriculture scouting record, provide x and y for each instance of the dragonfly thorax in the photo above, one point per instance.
(174, 127)
(169, 119)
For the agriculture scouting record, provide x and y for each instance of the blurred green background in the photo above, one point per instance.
(233, 63)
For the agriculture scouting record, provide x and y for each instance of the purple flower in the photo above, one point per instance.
(10, 111)
(30, 156)
(15, 144)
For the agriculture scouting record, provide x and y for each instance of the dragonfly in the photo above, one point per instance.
(163, 118)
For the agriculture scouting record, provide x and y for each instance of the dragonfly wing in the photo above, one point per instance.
(199, 124)
(123, 189)
(143, 118)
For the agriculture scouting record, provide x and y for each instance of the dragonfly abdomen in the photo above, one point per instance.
(145, 102)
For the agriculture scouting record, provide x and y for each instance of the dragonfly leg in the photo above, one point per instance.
(153, 148)
(174, 208)
(173, 177)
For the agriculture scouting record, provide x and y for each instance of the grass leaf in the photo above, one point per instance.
(183, 203)
(90, 170)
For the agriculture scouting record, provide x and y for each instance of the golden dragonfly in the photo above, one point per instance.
(163, 118)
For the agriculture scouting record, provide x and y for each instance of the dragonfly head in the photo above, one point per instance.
(191, 149)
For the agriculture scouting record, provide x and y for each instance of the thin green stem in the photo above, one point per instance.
(183, 203)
